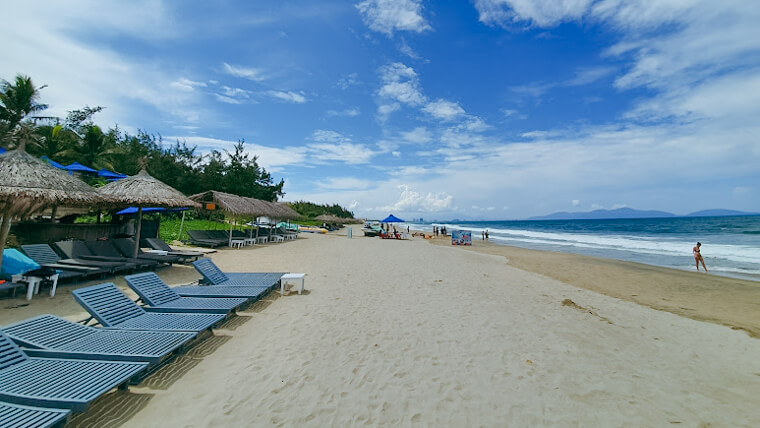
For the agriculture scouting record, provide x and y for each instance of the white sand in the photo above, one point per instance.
(412, 334)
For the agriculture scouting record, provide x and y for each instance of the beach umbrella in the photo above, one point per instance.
(236, 206)
(52, 162)
(391, 219)
(29, 185)
(110, 175)
(78, 167)
(142, 190)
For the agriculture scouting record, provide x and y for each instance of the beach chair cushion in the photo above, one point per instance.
(59, 383)
(154, 292)
(16, 416)
(107, 304)
(61, 338)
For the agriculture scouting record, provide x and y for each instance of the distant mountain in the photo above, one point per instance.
(605, 214)
(718, 213)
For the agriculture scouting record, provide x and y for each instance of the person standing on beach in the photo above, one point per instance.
(698, 256)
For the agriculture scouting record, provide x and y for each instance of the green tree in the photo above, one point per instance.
(18, 100)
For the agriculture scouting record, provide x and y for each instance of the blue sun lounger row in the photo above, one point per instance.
(55, 382)
(15, 416)
(214, 276)
(111, 308)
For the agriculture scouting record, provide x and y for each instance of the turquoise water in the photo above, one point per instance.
(730, 245)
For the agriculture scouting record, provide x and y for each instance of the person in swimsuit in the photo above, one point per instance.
(698, 256)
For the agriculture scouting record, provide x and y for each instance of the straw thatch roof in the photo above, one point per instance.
(244, 206)
(144, 190)
(28, 185)
(233, 204)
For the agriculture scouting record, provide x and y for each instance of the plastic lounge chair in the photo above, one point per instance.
(126, 247)
(153, 291)
(76, 250)
(197, 237)
(59, 383)
(47, 257)
(107, 249)
(15, 416)
(159, 244)
(111, 308)
(214, 276)
(50, 336)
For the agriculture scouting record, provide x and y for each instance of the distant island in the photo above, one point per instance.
(624, 213)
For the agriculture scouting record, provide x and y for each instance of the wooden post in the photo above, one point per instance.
(137, 234)
(5, 228)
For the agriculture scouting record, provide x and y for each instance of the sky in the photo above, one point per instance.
(484, 109)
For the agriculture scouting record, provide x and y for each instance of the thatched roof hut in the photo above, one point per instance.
(145, 191)
(142, 190)
(28, 185)
(235, 205)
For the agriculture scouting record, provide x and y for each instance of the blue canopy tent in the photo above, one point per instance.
(78, 167)
(134, 210)
(52, 162)
(110, 175)
(2, 150)
(391, 219)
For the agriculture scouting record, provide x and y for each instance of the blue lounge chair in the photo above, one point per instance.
(185, 256)
(112, 308)
(58, 383)
(15, 416)
(47, 257)
(154, 292)
(214, 276)
(51, 336)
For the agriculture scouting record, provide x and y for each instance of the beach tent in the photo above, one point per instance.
(78, 167)
(391, 219)
(52, 162)
(110, 175)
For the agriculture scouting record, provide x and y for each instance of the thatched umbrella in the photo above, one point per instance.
(29, 185)
(236, 206)
(142, 190)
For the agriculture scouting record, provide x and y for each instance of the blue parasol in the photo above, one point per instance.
(391, 219)
(78, 167)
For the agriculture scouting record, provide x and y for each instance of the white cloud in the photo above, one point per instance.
(411, 201)
(387, 16)
(271, 158)
(249, 73)
(542, 13)
(288, 96)
(400, 83)
(575, 202)
(343, 152)
(419, 135)
(349, 112)
(187, 84)
(344, 183)
(334, 146)
(444, 110)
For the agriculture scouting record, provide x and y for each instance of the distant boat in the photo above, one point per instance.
(372, 228)
(312, 229)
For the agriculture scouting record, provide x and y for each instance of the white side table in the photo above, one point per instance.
(297, 278)
(237, 243)
(34, 284)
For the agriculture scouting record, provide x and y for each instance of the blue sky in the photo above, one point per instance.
(485, 109)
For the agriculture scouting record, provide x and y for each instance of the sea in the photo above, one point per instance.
(730, 245)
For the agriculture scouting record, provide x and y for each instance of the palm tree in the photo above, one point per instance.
(95, 149)
(17, 101)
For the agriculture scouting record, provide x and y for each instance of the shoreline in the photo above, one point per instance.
(723, 300)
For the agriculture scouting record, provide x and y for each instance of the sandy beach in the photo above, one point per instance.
(412, 334)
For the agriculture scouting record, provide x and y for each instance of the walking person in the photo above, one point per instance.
(698, 256)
